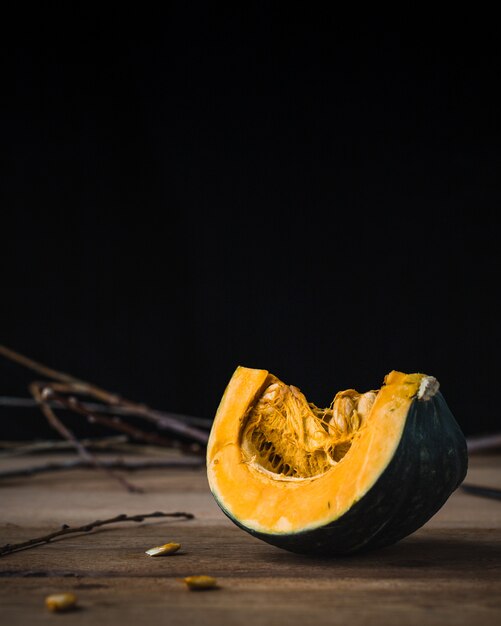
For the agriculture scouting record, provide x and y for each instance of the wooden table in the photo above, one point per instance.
(449, 572)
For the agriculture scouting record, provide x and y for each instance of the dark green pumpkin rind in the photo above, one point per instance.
(428, 465)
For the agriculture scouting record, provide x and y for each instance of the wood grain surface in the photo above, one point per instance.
(448, 572)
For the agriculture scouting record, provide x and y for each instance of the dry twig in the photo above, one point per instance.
(10, 449)
(481, 443)
(40, 394)
(66, 530)
(54, 392)
(161, 420)
(117, 464)
(27, 403)
(62, 384)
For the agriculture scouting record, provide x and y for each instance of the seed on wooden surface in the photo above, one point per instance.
(61, 601)
(167, 548)
(200, 582)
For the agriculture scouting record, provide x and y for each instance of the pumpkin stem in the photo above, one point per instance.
(428, 388)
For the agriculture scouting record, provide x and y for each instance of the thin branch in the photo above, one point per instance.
(116, 423)
(41, 394)
(15, 402)
(117, 443)
(11, 449)
(20, 359)
(483, 442)
(161, 420)
(480, 490)
(120, 464)
(66, 530)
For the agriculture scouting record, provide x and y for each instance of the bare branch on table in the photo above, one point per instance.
(15, 448)
(116, 444)
(70, 402)
(66, 530)
(483, 442)
(15, 402)
(162, 420)
(53, 393)
(39, 393)
(482, 491)
(118, 464)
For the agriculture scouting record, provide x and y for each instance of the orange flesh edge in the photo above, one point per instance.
(272, 505)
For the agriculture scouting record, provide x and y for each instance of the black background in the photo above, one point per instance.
(312, 194)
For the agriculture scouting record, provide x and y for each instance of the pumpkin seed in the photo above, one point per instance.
(355, 420)
(271, 392)
(200, 582)
(61, 602)
(341, 413)
(365, 403)
(167, 548)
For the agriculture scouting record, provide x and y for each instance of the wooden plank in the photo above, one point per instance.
(447, 572)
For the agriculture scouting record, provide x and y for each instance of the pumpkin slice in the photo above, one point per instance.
(361, 474)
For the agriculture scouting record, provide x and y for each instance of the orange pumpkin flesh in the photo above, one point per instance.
(279, 466)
